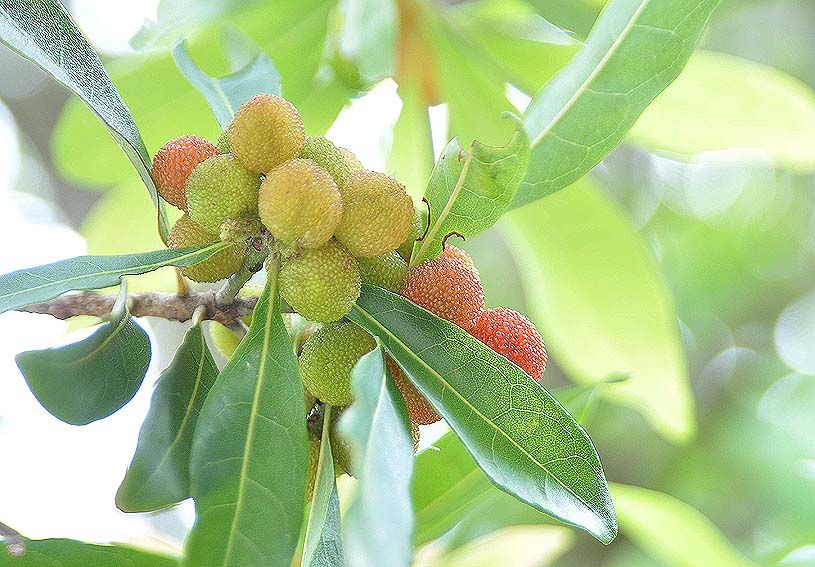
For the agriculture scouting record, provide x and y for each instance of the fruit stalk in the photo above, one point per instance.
(257, 252)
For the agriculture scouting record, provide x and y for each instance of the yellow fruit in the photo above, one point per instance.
(353, 161)
(328, 357)
(220, 188)
(266, 131)
(187, 233)
(328, 156)
(300, 203)
(321, 284)
(377, 214)
(387, 271)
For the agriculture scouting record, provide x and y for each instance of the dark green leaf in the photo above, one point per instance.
(323, 544)
(226, 94)
(469, 190)
(587, 109)
(379, 521)
(86, 381)
(72, 553)
(44, 33)
(158, 476)
(249, 455)
(35, 285)
(518, 433)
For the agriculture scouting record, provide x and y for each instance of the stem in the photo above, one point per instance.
(16, 544)
(256, 253)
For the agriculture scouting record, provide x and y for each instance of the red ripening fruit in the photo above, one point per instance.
(447, 288)
(512, 335)
(174, 162)
(419, 409)
(451, 251)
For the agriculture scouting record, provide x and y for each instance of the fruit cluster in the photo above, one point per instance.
(334, 223)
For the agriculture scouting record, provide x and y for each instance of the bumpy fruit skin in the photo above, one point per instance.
(223, 143)
(353, 161)
(419, 409)
(512, 335)
(448, 289)
(416, 231)
(387, 271)
(173, 164)
(377, 214)
(328, 357)
(313, 463)
(300, 203)
(266, 131)
(186, 233)
(328, 156)
(321, 284)
(451, 251)
(416, 435)
(220, 188)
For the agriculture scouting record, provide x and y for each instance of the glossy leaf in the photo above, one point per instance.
(587, 109)
(597, 296)
(721, 102)
(323, 543)
(379, 520)
(44, 33)
(516, 431)
(72, 553)
(35, 285)
(469, 190)
(158, 476)
(93, 378)
(249, 455)
(225, 95)
(672, 532)
(363, 42)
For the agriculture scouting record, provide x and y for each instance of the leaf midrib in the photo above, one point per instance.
(477, 412)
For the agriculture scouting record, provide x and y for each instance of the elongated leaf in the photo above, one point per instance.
(469, 190)
(249, 454)
(158, 476)
(411, 155)
(379, 521)
(721, 102)
(226, 94)
(596, 295)
(86, 381)
(516, 431)
(448, 486)
(323, 545)
(44, 33)
(72, 553)
(671, 531)
(35, 285)
(587, 109)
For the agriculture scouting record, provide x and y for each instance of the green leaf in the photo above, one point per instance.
(44, 33)
(250, 455)
(158, 476)
(93, 378)
(363, 42)
(35, 285)
(323, 544)
(448, 486)
(226, 94)
(72, 553)
(411, 155)
(379, 520)
(587, 109)
(672, 532)
(501, 415)
(468, 191)
(722, 102)
(598, 298)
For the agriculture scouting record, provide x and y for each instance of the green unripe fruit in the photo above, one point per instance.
(220, 188)
(340, 449)
(376, 216)
(328, 156)
(224, 339)
(416, 231)
(266, 131)
(300, 204)
(328, 357)
(223, 143)
(353, 161)
(387, 271)
(187, 233)
(321, 284)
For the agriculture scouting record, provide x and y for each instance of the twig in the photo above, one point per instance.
(15, 546)
(256, 253)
